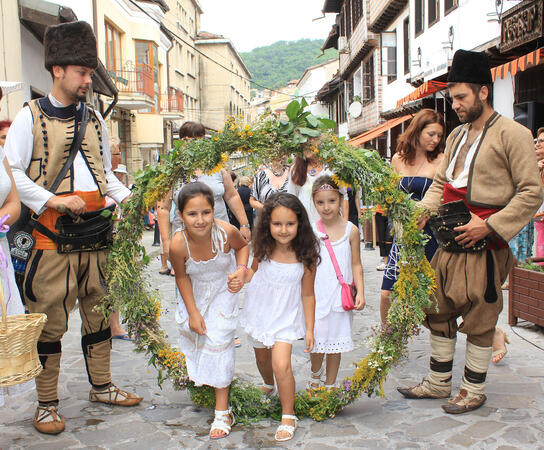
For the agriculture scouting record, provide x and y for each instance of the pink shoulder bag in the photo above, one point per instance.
(349, 291)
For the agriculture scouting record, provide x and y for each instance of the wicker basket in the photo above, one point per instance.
(19, 335)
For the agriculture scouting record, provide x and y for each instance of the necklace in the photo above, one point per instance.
(277, 174)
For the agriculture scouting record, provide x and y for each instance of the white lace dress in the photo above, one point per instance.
(210, 358)
(332, 330)
(9, 286)
(273, 308)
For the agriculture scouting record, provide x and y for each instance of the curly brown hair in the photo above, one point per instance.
(409, 140)
(305, 244)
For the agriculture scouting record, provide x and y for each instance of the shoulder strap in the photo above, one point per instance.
(74, 148)
(327, 242)
(186, 243)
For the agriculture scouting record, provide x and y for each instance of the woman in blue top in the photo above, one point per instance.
(419, 152)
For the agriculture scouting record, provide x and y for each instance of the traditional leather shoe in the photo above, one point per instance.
(47, 420)
(425, 390)
(464, 402)
(114, 396)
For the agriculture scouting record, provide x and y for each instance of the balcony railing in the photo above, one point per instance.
(133, 79)
(173, 101)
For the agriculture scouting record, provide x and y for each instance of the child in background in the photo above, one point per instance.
(280, 302)
(210, 261)
(332, 331)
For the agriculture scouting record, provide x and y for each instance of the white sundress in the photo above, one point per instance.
(210, 357)
(332, 330)
(9, 286)
(273, 309)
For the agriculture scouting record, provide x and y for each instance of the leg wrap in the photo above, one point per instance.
(476, 365)
(441, 364)
(47, 381)
(96, 350)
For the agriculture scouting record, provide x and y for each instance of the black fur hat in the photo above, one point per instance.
(71, 43)
(470, 67)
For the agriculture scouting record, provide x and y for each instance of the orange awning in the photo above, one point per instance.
(377, 131)
(427, 88)
(518, 65)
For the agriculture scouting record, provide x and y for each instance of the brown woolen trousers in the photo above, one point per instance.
(53, 282)
(461, 282)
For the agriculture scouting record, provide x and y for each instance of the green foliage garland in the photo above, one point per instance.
(267, 139)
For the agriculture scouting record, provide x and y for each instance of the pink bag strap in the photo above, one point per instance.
(321, 228)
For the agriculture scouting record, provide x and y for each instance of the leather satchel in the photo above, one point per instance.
(452, 215)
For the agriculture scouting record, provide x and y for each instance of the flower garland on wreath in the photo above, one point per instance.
(266, 139)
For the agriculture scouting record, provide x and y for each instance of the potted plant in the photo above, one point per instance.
(526, 292)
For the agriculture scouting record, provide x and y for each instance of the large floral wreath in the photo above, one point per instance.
(266, 139)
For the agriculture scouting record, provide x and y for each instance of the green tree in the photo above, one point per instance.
(273, 66)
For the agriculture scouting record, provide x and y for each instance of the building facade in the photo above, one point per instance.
(224, 81)
(412, 43)
(312, 80)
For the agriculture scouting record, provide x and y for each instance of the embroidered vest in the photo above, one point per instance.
(53, 132)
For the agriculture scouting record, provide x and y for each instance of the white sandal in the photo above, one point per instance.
(315, 381)
(272, 392)
(220, 422)
(290, 429)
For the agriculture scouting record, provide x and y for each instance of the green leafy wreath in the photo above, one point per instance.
(268, 139)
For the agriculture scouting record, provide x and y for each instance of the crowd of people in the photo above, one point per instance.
(292, 243)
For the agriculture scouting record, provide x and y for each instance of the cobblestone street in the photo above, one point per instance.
(513, 416)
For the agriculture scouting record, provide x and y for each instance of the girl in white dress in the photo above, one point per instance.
(332, 331)
(210, 258)
(280, 302)
(10, 209)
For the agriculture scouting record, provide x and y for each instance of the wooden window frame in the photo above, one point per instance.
(454, 6)
(116, 58)
(406, 44)
(157, 107)
(416, 31)
(437, 10)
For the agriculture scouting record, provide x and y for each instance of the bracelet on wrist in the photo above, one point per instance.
(245, 225)
(243, 266)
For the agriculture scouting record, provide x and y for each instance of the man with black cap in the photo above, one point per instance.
(490, 167)
(59, 152)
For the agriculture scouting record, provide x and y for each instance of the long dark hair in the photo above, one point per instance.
(305, 244)
(300, 171)
(192, 190)
(408, 141)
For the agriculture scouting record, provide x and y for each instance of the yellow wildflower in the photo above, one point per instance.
(247, 127)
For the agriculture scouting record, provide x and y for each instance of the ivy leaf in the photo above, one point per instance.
(145, 260)
(292, 110)
(309, 132)
(303, 103)
(287, 129)
(312, 120)
(327, 123)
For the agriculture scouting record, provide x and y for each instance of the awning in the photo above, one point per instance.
(377, 131)
(518, 65)
(427, 88)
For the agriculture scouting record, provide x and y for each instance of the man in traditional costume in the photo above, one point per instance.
(63, 268)
(489, 164)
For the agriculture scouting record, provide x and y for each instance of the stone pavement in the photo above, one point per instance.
(513, 416)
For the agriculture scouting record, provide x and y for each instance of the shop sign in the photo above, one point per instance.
(521, 24)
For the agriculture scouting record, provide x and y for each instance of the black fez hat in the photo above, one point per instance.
(70, 44)
(470, 67)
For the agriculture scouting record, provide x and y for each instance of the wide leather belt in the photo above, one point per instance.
(452, 215)
(88, 232)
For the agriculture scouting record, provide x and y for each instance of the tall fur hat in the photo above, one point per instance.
(71, 43)
(470, 67)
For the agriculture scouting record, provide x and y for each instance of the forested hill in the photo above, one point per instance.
(274, 65)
